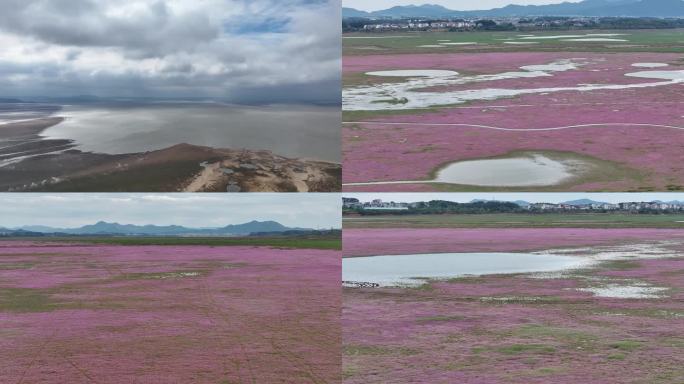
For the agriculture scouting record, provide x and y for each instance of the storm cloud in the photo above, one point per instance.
(234, 50)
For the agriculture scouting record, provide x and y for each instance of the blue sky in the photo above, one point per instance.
(194, 210)
(461, 5)
(529, 197)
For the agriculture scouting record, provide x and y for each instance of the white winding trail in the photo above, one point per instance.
(391, 182)
(514, 129)
(491, 128)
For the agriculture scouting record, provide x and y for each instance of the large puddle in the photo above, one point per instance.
(411, 270)
(534, 170)
(513, 172)
(416, 93)
(292, 131)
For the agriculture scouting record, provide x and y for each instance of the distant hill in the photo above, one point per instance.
(426, 10)
(583, 202)
(4, 232)
(10, 101)
(644, 8)
(673, 202)
(614, 8)
(351, 12)
(521, 203)
(104, 228)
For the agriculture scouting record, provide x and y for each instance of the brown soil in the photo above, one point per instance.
(52, 165)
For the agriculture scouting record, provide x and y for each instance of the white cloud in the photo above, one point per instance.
(171, 48)
(197, 210)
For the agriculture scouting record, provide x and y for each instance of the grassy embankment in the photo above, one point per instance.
(503, 220)
(657, 40)
(309, 242)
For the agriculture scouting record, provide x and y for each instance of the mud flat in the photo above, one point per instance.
(75, 313)
(32, 161)
(182, 167)
(619, 320)
(20, 139)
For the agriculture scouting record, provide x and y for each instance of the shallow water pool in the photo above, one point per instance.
(512, 172)
(399, 270)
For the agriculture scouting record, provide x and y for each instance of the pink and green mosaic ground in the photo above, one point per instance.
(517, 328)
(168, 314)
(632, 136)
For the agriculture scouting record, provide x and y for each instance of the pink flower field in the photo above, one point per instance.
(520, 329)
(73, 313)
(634, 134)
(385, 241)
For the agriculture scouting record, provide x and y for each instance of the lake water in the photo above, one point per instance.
(292, 131)
(408, 269)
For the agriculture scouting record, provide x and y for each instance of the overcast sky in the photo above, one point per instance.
(529, 197)
(459, 5)
(256, 51)
(308, 210)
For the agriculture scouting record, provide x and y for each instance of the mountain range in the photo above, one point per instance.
(104, 228)
(523, 203)
(608, 8)
(588, 202)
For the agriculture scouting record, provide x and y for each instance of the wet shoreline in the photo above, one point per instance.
(31, 162)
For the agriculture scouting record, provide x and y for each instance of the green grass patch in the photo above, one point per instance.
(538, 372)
(13, 266)
(655, 40)
(627, 345)
(25, 300)
(517, 220)
(349, 372)
(539, 330)
(356, 116)
(467, 280)
(620, 265)
(317, 242)
(569, 338)
(441, 318)
(375, 350)
(517, 349)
